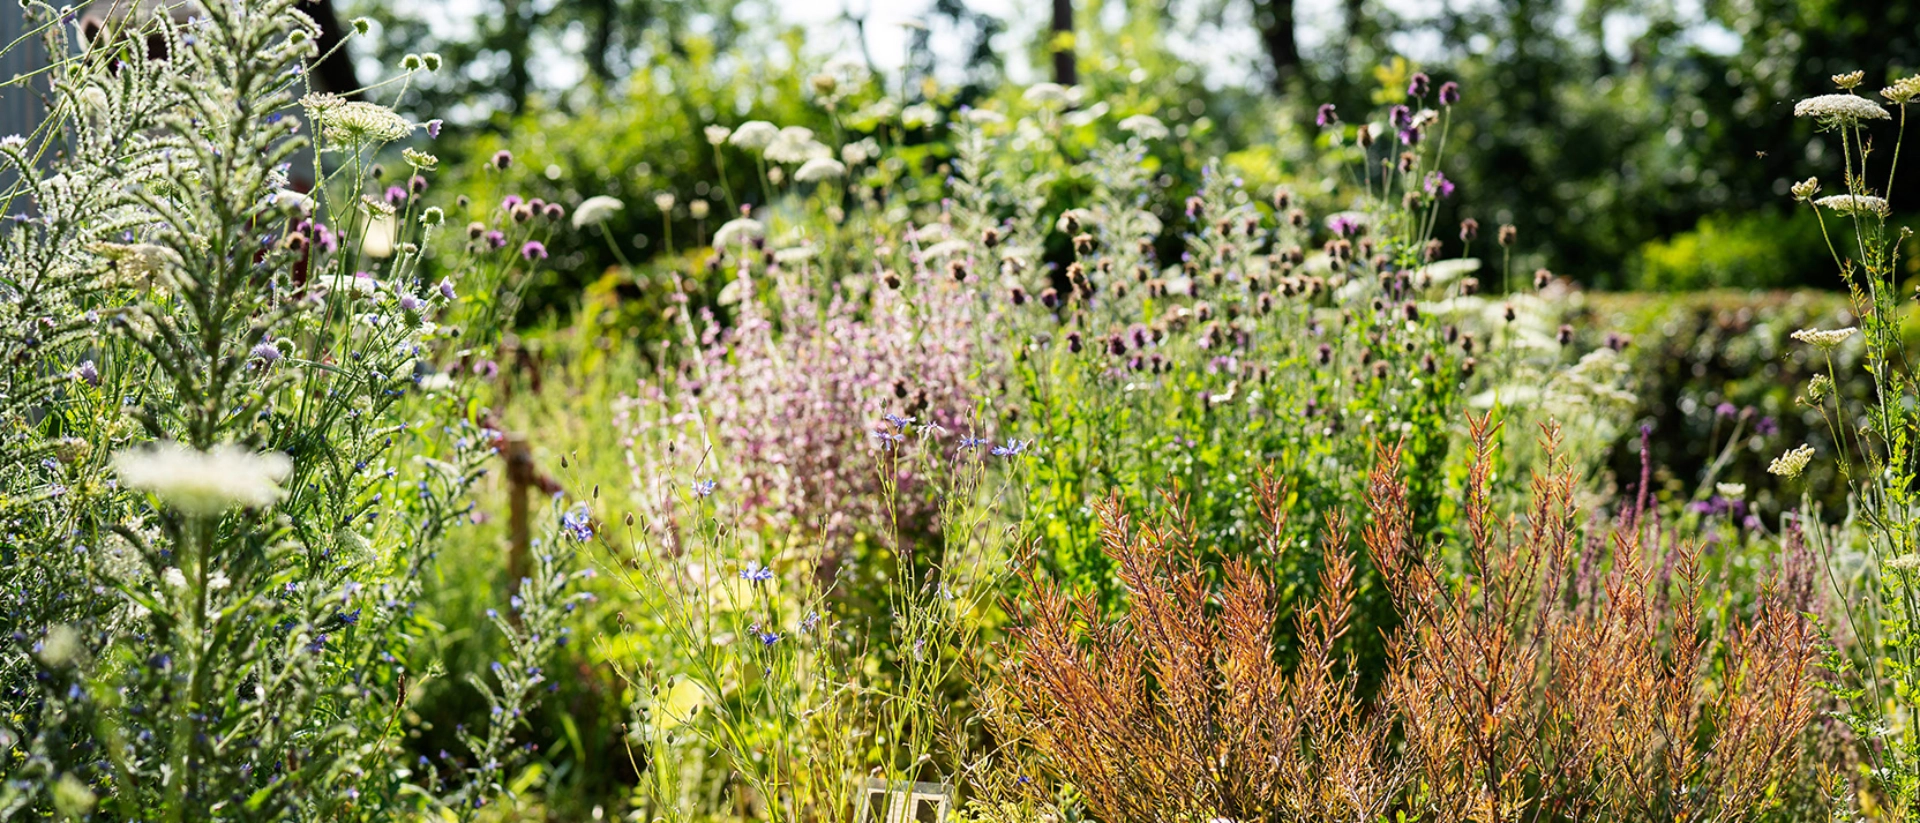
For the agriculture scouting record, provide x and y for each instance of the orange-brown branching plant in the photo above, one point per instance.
(1543, 671)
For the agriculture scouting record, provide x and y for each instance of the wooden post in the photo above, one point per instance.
(1064, 71)
(520, 482)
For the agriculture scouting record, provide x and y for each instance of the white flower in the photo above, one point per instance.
(205, 483)
(62, 646)
(1072, 218)
(350, 283)
(1840, 109)
(818, 169)
(1904, 563)
(1824, 338)
(291, 202)
(356, 122)
(1145, 127)
(595, 209)
(1855, 203)
(1047, 94)
(718, 134)
(664, 201)
(919, 115)
(218, 582)
(796, 254)
(1087, 116)
(1792, 463)
(737, 231)
(946, 248)
(176, 578)
(795, 144)
(1732, 491)
(859, 151)
(753, 135)
(980, 117)
(436, 382)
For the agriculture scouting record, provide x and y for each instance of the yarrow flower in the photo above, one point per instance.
(1855, 204)
(596, 209)
(205, 483)
(756, 573)
(1792, 463)
(1824, 338)
(1840, 109)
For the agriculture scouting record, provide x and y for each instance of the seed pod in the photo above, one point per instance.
(958, 270)
(1541, 278)
(1565, 337)
(1508, 234)
(1083, 244)
(1469, 230)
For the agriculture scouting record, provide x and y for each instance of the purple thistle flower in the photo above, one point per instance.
(446, 288)
(756, 573)
(1766, 427)
(1326, 116)
(1726, 410)
(1410, 137)
(87, 373)
(509, 202)
(1342, 225)
(496, 240)
(266, 353)
(411, 303)
(433, 128)
(533, 249)
(396, 195)
(1449, 93)
(502, 159)
(1438, 185)
(1400, 117)
(1417, 85)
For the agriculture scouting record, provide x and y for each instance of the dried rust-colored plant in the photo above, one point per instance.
(1523, 685)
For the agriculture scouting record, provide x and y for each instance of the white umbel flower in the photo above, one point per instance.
(1732, 491)
(718, 134)
(205, 483)
(754, 135)
(1824, 338)
(176, 578)
(1840, 109)
(595, 209)
(1855, 204)
(357, 122)
(1145, 127)
(1047, 94)
(1907, 563)
(818, 169)
(737, 231)
(1792, 463)
(795, 144)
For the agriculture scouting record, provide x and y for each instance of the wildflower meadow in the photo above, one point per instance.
(654, 411)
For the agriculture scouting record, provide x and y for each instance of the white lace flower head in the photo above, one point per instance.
(205, 483)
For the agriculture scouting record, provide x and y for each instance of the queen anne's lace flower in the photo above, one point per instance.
(596, 209)
(753, 135)
(205, 483)
(1855, 204)
(1792, 463)
(1047, 94)
(795, 144)
(818, 169)
(1146, 127)
(1841, 109)
(1824, 338)
(357, 122)
(737, 231)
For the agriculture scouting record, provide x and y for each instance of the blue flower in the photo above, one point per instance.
(578, 524)
(769, 638)
(702, 488)
(756, 573)
(968, 441)
(1012, 448)
(899, 422)
(887, 440)
(808, 623)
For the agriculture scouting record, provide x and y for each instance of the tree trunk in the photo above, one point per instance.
(1274, 19)
(1063, 68)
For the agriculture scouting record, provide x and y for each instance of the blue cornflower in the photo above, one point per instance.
(887, 440)
(578, 524)
(808, 623)
(1012, 448)
(702, 488)
(756, 573)
(899, 422)
(968, 441)
(769, 638)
